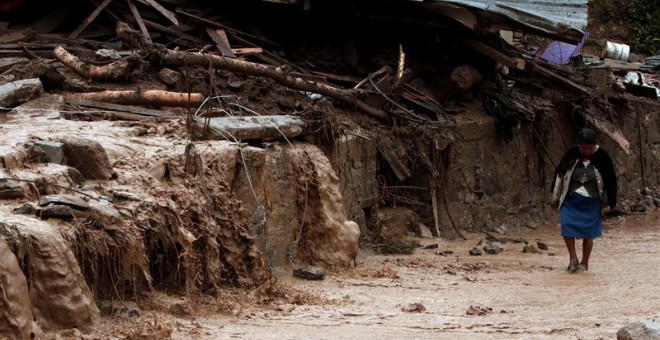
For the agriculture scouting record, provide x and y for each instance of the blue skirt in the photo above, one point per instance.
(581, 217)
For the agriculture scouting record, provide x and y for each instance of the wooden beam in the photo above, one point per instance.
(140, 22)
(247, 50)
(220, 38)
(166, 13)
(121, 108)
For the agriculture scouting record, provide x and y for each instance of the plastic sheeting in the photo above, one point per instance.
(564, 20)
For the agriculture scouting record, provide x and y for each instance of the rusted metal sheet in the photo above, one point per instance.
(564, 20)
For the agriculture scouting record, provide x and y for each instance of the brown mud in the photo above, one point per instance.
(512, 295)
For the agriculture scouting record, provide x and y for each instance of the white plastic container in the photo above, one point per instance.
(616, 51)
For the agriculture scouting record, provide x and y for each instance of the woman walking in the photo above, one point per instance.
(584, 184)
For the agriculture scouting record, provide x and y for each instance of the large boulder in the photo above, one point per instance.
(639, 330)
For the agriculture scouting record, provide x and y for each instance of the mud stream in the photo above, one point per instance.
(521, 295)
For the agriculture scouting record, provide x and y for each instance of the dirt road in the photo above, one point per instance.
(522, 295)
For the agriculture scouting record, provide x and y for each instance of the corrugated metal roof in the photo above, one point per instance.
(561, 19)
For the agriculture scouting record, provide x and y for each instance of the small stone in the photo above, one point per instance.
(89, 157)
(656, 201)
(235, 85)
(432, 246)
(55, 210)
(490, 248)
(414, 308)
(639, 330)
(10, 190)
(474, 251)
(309, 273)
(53, 151)
(169, 77)
(448, 252)
(530, 248)
(25, 209)
(542, 245)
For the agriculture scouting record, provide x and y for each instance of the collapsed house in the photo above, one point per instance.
(184, 147)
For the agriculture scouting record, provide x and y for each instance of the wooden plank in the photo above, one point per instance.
(556, 78)
(165, 12)
(220, 38)
(139, 20)
(122, 108)
(247, 50)
(90, 18)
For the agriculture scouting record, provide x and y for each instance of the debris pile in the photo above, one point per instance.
(187, 146)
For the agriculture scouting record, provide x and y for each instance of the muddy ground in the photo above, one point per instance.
(512, 295)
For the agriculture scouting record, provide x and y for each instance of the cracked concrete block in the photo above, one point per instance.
(20, 91)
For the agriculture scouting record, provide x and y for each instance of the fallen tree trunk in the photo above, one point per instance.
(180, 58)
(149, 97)
(121, 70)
(250, 128)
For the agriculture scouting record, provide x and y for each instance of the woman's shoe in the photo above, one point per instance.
(573, 266)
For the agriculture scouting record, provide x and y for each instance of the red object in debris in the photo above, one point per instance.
(6, 5)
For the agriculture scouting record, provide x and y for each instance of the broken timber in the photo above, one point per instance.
(120, 108)
(250, 128)
(179, 58)
(149, 97)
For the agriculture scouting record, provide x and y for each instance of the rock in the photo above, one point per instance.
(448, 252)
(75, 175)
(542, 245)
(309, 273)
(639, 330)
(478, 310)
(235, 85)
(104, 211)
(474, 251)
(20, 91)
(25, 209)
(53, 151)
(532, 225)
(530, 248)
(106, 55)
(15, 306)
(431, 246)
(88, 157)
(490, 248)
(170, 77)
(251, 127)
(180, 309)
(656, 201)
(10, 190)
(120, 308)
(414, 308)
(55, 210)
(68, 200)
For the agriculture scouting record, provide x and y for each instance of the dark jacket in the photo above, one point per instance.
(603, 164)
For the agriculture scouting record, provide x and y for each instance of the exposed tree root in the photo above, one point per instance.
(121, 70)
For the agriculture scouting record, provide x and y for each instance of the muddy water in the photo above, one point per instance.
(531, 295)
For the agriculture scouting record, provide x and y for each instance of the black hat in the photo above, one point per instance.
(587, 136)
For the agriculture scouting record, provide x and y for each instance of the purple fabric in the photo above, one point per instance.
(559, 53)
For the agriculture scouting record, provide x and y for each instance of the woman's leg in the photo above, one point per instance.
(587, 246)
(573, 260)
